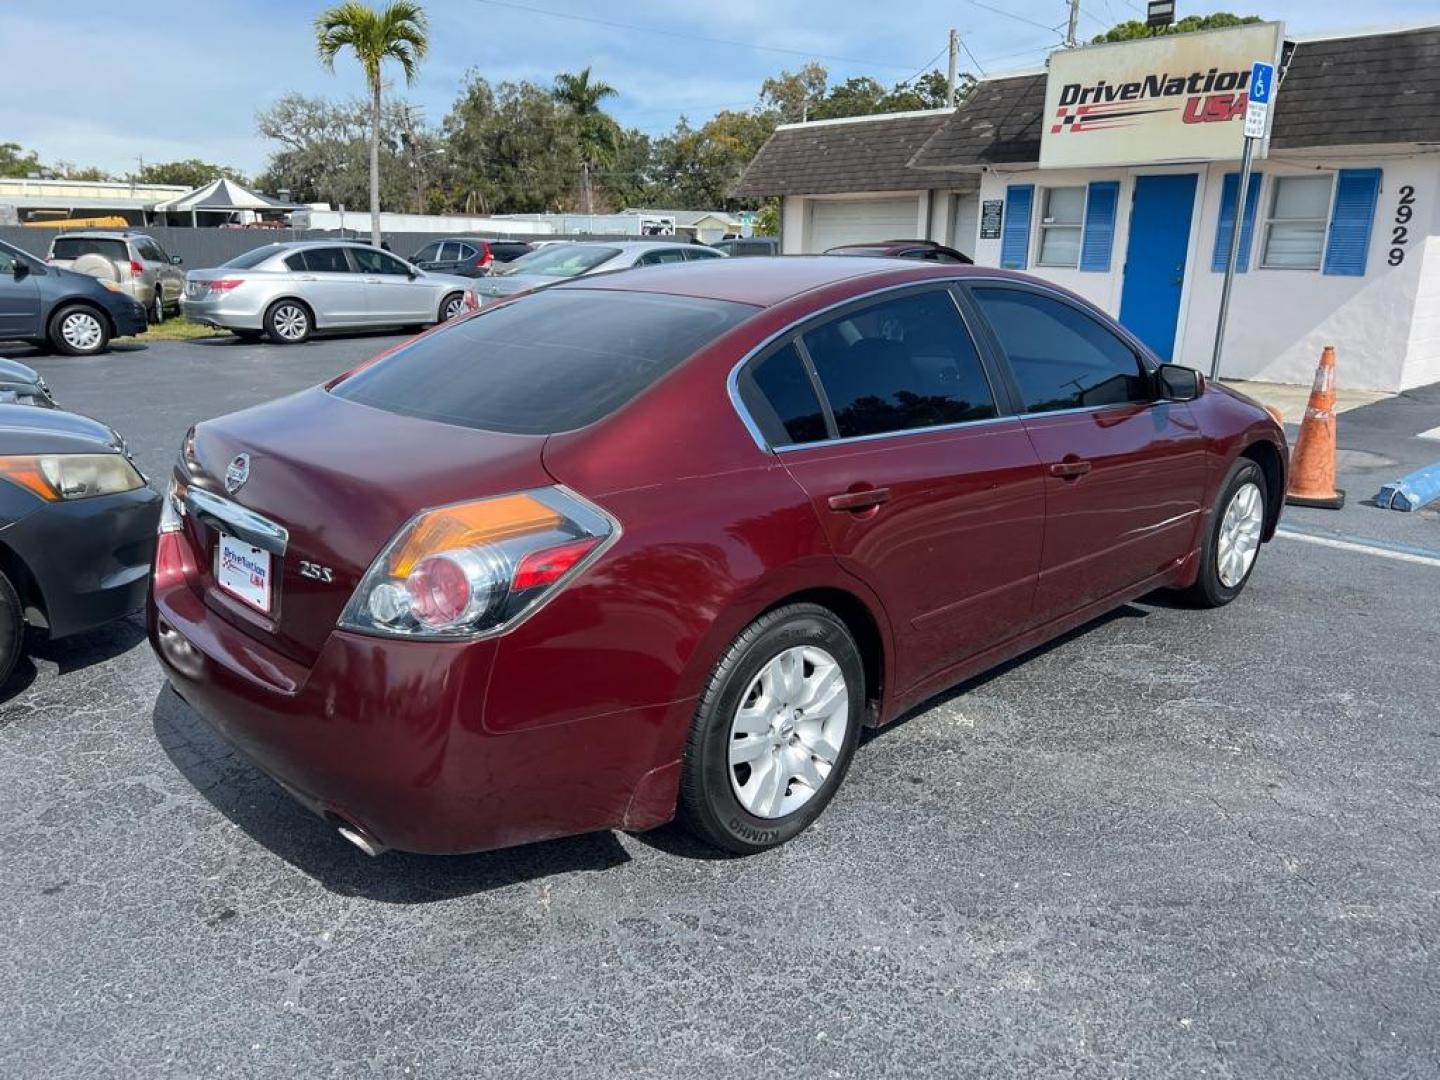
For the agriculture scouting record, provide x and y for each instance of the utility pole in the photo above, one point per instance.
(950, 77)
(1070, 41)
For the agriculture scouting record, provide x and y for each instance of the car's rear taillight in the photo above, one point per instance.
(223, 284)
(475, 568)
(137, 268)
(486, 257)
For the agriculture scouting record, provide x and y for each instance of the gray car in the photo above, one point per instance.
(132, 260)
(555, 263)
(289, 291)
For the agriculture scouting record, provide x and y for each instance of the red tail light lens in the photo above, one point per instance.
(224, 284)
(476, 568)
(137, 267)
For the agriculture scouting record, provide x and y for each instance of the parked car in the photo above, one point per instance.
(560, 262)
(748, 245)
(78, 523)
(468, 256)
(662, 542)
(53, 307)
(924, 250)
(132, 260)
(21, 384)
(289, 291)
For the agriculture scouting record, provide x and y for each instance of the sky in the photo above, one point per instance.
(94, 82)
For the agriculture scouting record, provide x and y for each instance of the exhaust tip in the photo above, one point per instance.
(368, 844)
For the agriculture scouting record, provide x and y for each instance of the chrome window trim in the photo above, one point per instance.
(732, 381)
(245, 524)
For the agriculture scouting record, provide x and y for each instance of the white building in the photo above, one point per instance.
(1340, 239)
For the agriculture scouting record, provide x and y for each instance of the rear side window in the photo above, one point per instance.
(1062, 358)
(700, 253)
(780, 395)
(900, 364)
(326, 261)
(72, 247)
(505, 252)
(556, 361)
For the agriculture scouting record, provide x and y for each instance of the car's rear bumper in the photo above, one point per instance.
(90, 558)
(389, 736)
(222, 312)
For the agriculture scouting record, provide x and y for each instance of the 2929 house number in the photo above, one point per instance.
(1400, 231)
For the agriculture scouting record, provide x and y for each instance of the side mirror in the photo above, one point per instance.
(20, 270)
(1179, 383)
(176, 260)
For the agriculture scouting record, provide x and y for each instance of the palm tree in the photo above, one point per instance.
(397, 33)
(599, 134)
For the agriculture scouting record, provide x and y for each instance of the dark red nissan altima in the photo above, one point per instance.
(660, 543)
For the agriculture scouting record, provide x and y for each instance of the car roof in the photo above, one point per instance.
(766, 282)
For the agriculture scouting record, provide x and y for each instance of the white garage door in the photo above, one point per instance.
(858, 221)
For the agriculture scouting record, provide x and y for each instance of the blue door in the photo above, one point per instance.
(1155, 260)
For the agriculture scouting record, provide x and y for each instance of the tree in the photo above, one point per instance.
(1129, 31)
(191, 173)
(599, 133)
(68, 170)
(15, 160)
(696, 168)
(398, 32)
(791, 94)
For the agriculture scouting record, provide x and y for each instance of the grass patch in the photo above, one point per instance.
(176, 330)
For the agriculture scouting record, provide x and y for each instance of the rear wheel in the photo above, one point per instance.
(12, 629)
(774, 732)
(157, 306)
(78, 330)
(1233, 543)
(288, 322)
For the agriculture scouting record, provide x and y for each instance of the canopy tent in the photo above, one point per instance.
(222, 196)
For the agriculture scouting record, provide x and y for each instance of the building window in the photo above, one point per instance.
(1295, 225)
(1061, 227)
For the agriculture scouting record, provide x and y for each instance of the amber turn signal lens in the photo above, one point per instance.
(468, 524)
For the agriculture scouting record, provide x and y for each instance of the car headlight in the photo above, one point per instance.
(63, 477)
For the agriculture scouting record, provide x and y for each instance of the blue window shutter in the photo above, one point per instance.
(1015, 233)
(1229, 193)
(1099, 236)
(1356, 193)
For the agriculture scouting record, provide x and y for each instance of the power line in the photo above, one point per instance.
(691, 37)
(926, 66)
(1011, 15)
(971, 55)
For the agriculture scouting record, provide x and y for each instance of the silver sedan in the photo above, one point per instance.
(555, 263)
(288, 291)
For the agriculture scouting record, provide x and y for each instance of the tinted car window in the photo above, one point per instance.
(665, 255)
(780, 396)
(696, 254)
(900, 364)
(562, 260)
(248, 259)
(327, 261)
(1062, 357)
(505, 252)
(428, 253)
(295, 262)
(557, 361)
(377, 262)
(72, 247)
(449, 252)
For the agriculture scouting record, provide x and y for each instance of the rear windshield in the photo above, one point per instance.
(72, 247)
(554, 361)
(562, 260)
(246, 259)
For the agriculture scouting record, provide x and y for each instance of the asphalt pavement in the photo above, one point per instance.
(1173, 844)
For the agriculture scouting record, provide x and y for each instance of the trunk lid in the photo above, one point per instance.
(341, 478)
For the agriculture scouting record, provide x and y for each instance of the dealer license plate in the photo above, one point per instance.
(243, 571)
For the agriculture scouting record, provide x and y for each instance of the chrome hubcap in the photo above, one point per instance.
(291, 322)
(788, 731)
(454, 307)
(1239, 539)
(81, 330)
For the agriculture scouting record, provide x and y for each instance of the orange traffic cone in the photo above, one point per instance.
(1312, 466)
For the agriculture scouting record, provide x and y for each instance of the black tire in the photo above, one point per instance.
(12, 629)
(249, 336)
(289, 322)
(157, 306)
(455, 300)
(66, 334)
(1210, 590)
(709, 805)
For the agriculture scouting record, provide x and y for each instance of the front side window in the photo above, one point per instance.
(371, 261)
(1295, 225)
(900, 364)
(664, 255)
(700, 254)
(1062, 222)
(1062, 358)
(560, 360)
(8, 263)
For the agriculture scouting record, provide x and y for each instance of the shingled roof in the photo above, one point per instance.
(1370, 89)
(870, 153)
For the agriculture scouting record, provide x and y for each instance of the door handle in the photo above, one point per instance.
(307, 277)
(864, 499)
(1070, 470)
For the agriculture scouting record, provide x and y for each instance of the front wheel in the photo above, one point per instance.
(1233, 542)
(288, 322)
(157, 307)
(453, 305)
(12, 629)
(78, 330)
(774, 732)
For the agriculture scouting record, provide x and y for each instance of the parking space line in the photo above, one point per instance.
(1400, 553)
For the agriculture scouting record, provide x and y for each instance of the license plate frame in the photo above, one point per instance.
(245, 572)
